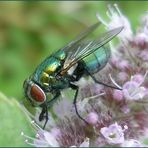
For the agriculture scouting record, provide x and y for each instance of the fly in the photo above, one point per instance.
(52, 76)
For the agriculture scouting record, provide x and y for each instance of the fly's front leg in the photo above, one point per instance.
(51, 102)
(44, 114)
(45, 106)
(75, 102)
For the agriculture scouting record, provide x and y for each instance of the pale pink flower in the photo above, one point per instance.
(125, 109)
(123, 76)
(132, 143)
(48, 139)
(85, 143)
(123, 65)
(132, 91)
(144, 55)
(118, 95)
(141, 39)
(138, 78)
(92, 118)
(43, 138)
(117, 19)
(114, 134)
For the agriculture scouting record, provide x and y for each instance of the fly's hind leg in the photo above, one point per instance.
(102, 82)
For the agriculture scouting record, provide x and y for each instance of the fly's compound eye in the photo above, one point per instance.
(35, 93)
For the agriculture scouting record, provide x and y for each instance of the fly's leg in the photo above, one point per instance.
(44, 114)
(75, 102)
(102, 82)
(46, 117)
(45, 106)
(51, 102)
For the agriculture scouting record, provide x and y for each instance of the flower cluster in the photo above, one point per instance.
(115, 117)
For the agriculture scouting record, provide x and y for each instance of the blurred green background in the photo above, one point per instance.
(30, 31)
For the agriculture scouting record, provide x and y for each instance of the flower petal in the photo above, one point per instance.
(85, 143)
(51, 139)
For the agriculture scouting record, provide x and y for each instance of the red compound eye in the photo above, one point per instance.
(37, 93)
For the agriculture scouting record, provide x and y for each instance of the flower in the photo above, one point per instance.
(114, 134)
(143, 55)
(141, 40)
(132, 143)
(43, 138)
(118, 19)
(131, 90)
(125, 109)
(138, 78)
(49, 139)
(114, 115)
(122, 76)
(92, 118)
(85, 143)
(118, 95)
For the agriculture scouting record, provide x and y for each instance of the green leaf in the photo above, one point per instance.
(13, 122)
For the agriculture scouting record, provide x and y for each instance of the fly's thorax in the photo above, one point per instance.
(47, 75)
(60, 55)
(53, 66)
(48, 69)
(34, 93)
(47, 80)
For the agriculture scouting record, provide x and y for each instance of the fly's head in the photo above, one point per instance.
(34, 93)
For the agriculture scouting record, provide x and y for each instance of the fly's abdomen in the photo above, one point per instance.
(97, 60)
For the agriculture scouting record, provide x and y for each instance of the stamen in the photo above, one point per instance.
(125, 128)
(34, 145)
(22, 134)
(109, 15)
(135, 91)
(101, 20)
(145, 75)
(117, 9)
(111, 10)
(31, 144)
(32, 139)
(36, 126)
(113, 81)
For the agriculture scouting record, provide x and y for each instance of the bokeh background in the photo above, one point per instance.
(29, 32)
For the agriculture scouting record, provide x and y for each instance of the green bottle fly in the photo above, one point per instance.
(65, 67)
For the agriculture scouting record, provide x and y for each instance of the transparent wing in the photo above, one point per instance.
(84, 49)
(72, 45)
(96, 44)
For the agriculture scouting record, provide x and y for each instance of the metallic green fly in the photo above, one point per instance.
(52, 75)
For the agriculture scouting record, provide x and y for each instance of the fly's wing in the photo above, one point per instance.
(83, 49)
(71, 46)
